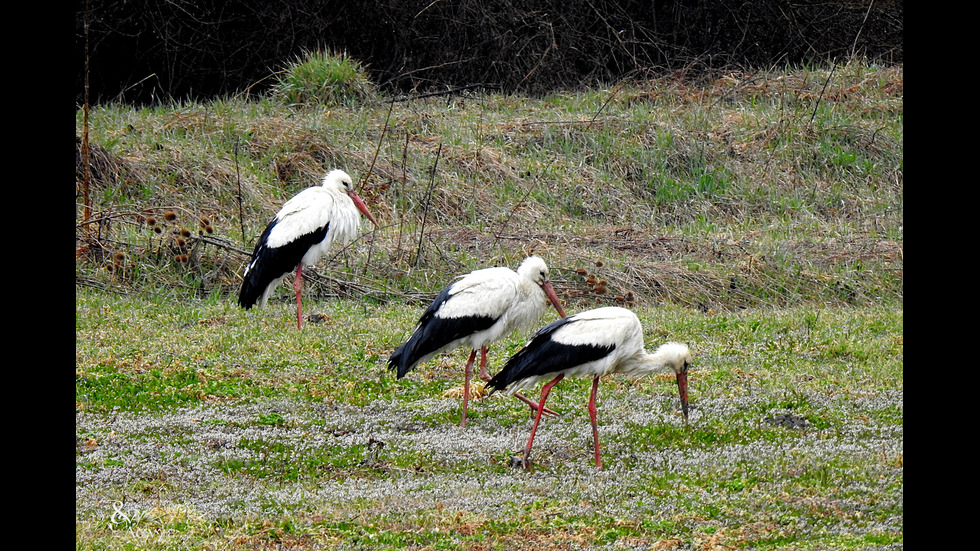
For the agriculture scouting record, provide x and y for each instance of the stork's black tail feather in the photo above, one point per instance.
(269, 264)
(429, 338)
(543, 355)
(409, 353)
(434, 334)
(399, 359)
(253, 285)
(255, 278)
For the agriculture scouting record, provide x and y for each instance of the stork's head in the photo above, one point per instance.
(533, 268)
(677, 357)
(338, 179)
(341, 181)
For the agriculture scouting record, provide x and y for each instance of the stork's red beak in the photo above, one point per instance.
(553, 297)
(362, 207)
(682, 388)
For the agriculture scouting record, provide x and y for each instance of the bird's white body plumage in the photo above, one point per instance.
(311, 210)
(592, 343)
(515, 299)
(611, 326)
(474, 311)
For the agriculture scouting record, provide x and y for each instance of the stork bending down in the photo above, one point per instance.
(592, 343)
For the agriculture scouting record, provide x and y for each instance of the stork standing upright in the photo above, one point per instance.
(595, 342)
(476, 310)
(301, 232)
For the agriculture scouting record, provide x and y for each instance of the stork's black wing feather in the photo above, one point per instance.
(268, 264)
(433, 333)
(544, 355)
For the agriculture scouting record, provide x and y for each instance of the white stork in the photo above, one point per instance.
(302, 231)
(595, 342)
(476, 310)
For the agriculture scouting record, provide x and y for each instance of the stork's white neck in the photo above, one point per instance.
(670, 357)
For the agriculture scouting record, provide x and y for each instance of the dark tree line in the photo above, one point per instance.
(148, 50)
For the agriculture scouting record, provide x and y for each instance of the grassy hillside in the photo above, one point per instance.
(756, 217)
(763, 189)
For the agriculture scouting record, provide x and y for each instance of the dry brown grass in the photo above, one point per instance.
(755, 189)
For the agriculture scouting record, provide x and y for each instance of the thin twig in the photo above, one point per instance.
(496, 236)
(449, 92)
(822, 91)
(425, 210)
(134, 85)
(374, 229)
(384, 130)
(400, 194)
(858, 33)
(238, 178)
(552, 46)
(616, 90)
(86, 170)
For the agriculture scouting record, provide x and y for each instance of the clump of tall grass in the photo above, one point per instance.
(324, 78)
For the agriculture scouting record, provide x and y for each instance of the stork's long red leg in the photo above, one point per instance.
(537, 418)
(483, 364)
(298, 286)
(532, 404)
(468, 372)
(486, 377)
(595, 425)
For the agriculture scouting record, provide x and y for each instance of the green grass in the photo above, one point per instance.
(257, 432)
(324, 78)
(756, 217)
